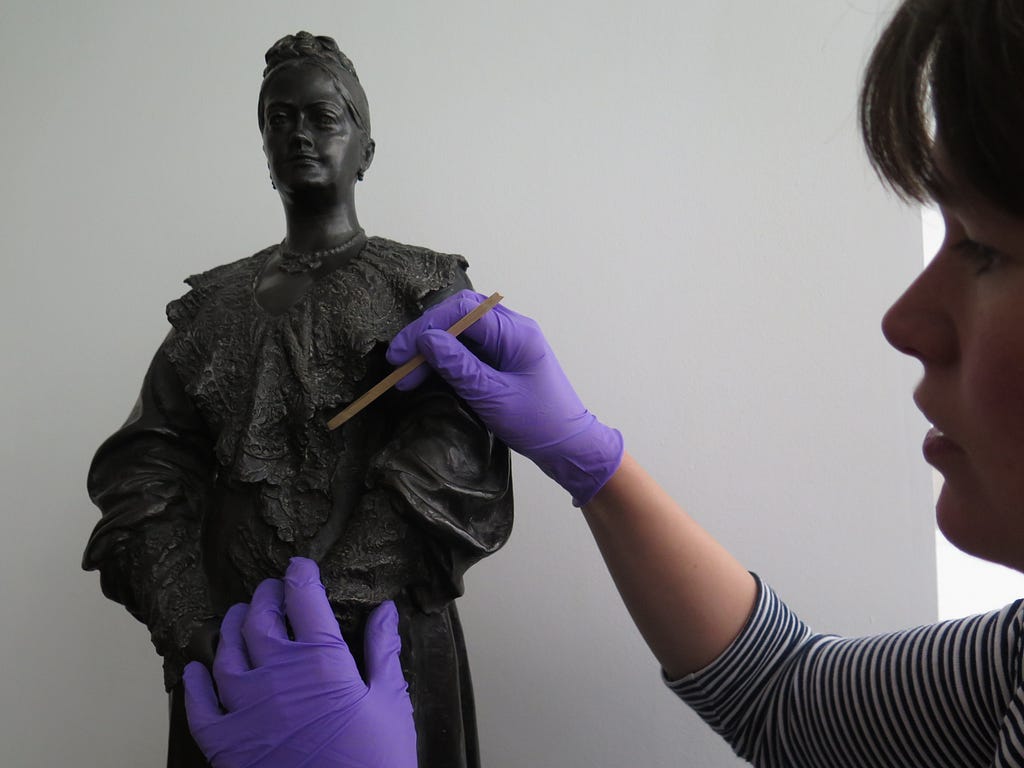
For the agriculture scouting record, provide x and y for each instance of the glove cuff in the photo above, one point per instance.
(583, 463)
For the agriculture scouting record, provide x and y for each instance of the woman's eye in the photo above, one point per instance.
(326, 119)
(983, 257)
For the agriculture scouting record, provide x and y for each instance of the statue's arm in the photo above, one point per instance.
(152, 481)
(451, 479)
(441, 471)
(460, 282)
(446, 468)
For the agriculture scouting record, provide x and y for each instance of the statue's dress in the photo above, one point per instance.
(225, 469)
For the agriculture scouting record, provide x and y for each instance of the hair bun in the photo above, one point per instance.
(303, 45)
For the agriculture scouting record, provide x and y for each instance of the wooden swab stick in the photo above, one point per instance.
(404, 370)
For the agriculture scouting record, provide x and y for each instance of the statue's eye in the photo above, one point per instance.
(277, 119)
(326, 119)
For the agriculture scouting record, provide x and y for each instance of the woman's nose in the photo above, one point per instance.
(920, 323)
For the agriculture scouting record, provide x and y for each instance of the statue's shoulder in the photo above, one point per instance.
(421, 274)
(231, 273)
(394, 252)
(223, 288)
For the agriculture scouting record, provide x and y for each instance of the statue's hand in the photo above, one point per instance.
(301, 702)
(202, 646)
(517, 388)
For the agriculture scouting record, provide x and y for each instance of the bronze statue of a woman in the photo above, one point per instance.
(225, 468)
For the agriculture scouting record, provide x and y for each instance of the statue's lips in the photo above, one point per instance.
(303, 159)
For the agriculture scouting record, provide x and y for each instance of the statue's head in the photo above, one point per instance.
(313, 113)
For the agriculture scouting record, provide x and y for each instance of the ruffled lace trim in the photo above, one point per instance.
(267, 384)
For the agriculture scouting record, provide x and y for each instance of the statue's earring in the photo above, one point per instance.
(272, 182)
(361, 174)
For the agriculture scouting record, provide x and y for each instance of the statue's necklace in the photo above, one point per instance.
(294, 262)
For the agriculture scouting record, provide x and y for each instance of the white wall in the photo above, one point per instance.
(674, 189)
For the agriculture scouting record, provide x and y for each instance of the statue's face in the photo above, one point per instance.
(309, 137)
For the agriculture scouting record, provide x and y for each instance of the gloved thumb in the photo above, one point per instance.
(383, 667)
(463, 370)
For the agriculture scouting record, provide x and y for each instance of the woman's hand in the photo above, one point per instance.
(517, 388)
(651, 546)
(301, 702)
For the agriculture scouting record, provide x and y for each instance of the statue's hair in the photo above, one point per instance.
(322, 51)
(303, 45)
(952, 69)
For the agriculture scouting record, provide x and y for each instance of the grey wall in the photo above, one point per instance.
(674, 189)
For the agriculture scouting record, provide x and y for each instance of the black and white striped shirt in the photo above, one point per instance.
(946, 694)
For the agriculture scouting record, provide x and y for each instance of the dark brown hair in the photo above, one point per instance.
(953, 68)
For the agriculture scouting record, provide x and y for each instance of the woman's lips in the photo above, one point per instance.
(937, 448)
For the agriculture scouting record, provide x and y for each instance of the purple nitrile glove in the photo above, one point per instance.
(518, 389)
(301, 702)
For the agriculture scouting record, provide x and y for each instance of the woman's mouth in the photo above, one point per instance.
(937, 448)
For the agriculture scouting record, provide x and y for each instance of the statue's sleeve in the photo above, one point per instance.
(152, 480)
(448, 475)
(452, 479)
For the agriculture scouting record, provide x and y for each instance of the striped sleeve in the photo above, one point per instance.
(947, 694)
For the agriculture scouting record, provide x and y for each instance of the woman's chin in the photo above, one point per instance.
(955, 522)
(970, 526)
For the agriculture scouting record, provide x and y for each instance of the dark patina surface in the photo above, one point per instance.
(225, 468)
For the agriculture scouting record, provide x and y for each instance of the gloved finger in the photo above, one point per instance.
(264, 629)
(383, 667)
(306, 605)
(502, 339)
(231, 659)
(201, 704)
(506, 340)
(414, 378)
(442, 315)
(464, 371)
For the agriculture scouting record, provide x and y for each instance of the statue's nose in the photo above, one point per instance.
(300, 136)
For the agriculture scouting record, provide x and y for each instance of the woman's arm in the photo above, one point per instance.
(945, 695)
(687, 595)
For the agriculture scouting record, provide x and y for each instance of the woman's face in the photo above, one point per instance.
(963, 318)
(309, 137)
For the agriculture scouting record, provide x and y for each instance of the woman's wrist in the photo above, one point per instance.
(583, 463)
